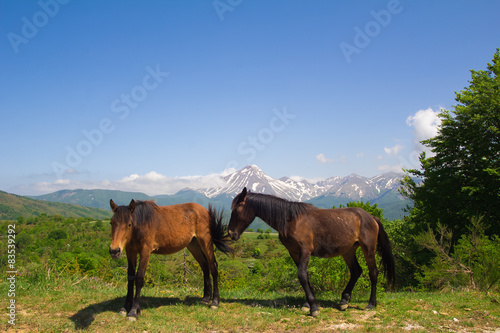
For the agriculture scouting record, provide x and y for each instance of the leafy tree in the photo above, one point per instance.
(370, 208)
(462, 178)
(58, 234)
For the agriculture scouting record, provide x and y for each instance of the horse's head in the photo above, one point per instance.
(122, 224)
(241, 216)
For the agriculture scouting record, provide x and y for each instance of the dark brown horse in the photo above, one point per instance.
(306, 230)
(142, 228)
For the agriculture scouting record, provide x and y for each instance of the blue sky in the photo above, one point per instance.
(157, 95)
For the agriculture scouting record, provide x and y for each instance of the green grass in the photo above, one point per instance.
(54, 293)
(71, 304)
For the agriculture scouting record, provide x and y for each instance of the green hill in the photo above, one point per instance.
(12, 206)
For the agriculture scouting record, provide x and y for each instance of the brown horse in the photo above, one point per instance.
(306, 230)
(142, 228)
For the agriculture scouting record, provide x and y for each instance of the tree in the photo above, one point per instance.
(372, 209)
(462, 178)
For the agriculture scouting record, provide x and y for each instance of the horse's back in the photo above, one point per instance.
(178, 225)
(331, 232)
(184, 211)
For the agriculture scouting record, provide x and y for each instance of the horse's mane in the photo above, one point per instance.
(277, 212)
(145, 212)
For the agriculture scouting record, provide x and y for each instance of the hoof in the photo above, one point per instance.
(214, 307)
(343, 307)
(131, 318)
(122, 312)
(370, 307)
(205, 302)
(315, 313)
(305, 309)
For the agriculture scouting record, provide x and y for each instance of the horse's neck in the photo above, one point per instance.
(266, 220)
(263, 219)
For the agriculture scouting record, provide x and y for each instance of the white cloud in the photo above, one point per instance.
(426, 124)
(151, 183)
(228, 171)
(390, 168)
(394, 151)
(321, 158)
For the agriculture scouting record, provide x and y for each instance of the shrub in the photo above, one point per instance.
(474, 262)
(57, 234)
(233, 274)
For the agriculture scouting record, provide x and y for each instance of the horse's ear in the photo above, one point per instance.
(131, 206)
(243, 195)
(113, 206)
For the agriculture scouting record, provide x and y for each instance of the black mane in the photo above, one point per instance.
(144, 212)
(277, 212)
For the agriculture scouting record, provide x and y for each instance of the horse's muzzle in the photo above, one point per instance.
(234, 235)
(115, 252)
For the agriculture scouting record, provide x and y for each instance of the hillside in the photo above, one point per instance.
(12, 206)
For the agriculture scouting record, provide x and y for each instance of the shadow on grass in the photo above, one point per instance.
(85, 317)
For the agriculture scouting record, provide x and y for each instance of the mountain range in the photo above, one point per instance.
(333, 191)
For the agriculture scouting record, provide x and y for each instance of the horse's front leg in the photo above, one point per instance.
(132, 263)
(302, 264)
(139, 283)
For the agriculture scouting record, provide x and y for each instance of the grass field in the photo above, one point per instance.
(68, 305)
(57, 301)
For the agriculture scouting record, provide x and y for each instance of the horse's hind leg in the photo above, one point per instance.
(208, 250)
(195, 249)
(355, 270)
(369, 253)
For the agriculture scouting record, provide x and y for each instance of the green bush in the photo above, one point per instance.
(474, 262)
(58, 234)
(233, 274)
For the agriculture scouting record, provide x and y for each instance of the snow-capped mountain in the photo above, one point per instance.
(353, 186)
(333, 191)
(254, 179)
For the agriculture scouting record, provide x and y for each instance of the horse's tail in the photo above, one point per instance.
(218, 230)
(384, 249)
